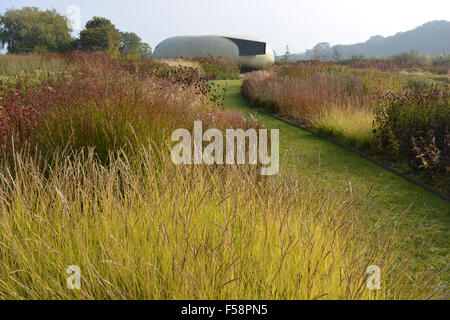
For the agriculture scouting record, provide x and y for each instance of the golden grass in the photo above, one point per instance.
(11, 64)
(182, 63)
(353, 125)
(143, 228)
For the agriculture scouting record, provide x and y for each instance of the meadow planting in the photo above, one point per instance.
(86, 180)
(133, 173)
(217, 68)
(376, 106)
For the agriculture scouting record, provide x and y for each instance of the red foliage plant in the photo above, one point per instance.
(102, 103)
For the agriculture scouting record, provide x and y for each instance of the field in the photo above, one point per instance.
(86, 180)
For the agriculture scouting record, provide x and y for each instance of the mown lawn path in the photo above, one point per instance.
(381, 193)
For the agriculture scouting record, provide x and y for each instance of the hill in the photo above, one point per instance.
(430, 38)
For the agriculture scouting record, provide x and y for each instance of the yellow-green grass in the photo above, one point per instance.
(142, 228)
(352, 126)
(10, 64)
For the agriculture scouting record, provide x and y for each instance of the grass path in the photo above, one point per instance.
(382, 193)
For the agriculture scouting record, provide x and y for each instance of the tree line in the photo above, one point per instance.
(30, 30)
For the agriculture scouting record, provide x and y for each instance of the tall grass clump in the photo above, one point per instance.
(218, 68)
(181, 63)
(104, 104)
(142, 228)
(353, 127)
(31, 69)
(305, 93)
(333, 100)
(11, 65)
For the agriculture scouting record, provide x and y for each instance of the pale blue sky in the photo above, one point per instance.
(301, 24)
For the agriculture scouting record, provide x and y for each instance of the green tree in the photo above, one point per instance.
(320, 51)
(146, 51)
(316, 54)
(337, 56)
(31, 30)
(100, 35)
(131, 45)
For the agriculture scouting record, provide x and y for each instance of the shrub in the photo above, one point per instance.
(414, 123)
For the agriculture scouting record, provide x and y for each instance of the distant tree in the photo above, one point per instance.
(146, 51)
(100, 35)
(356, 57)
(441, 59)
(321, 51)
(322, 47)
(131, 45)
(31, 30)
(316, 55)
(286, 56)
(337, 56)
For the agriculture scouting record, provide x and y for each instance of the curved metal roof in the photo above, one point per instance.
(246, 51)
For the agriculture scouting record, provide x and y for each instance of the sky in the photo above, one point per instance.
(297, 23)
